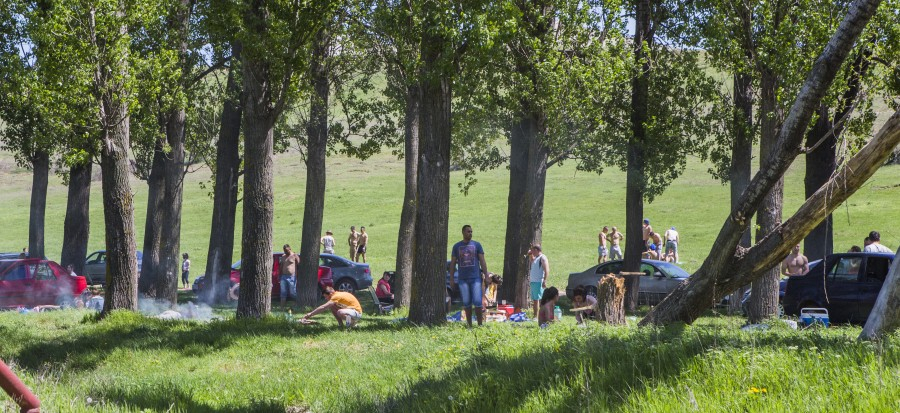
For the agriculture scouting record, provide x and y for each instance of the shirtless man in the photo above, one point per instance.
(795, 263)
(362, 243)
(602, 253)
(647, 230)
(353, 242)
(615, 252)
(657, 240)
(672, 241)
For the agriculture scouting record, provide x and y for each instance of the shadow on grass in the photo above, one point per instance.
(171, 398)
(598, 373)
(88, 347)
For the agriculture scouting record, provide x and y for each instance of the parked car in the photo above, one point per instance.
(95, 266)
(659, 279)
(845, 284)
(30, 282)
(324, 276)
(348, 276)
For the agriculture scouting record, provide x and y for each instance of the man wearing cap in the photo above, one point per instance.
(875, 243)
(672, 242)
(328, 243)
(647, 230)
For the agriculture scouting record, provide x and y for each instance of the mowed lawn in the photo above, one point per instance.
(369, 193)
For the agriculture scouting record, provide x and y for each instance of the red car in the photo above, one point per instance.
(325, 279)
(31, 282)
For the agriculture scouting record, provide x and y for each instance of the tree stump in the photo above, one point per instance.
(611, 299)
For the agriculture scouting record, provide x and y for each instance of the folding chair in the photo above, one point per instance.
(380, 308)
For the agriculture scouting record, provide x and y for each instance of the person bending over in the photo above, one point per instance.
(344, 306)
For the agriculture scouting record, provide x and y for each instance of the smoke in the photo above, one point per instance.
(166, 311)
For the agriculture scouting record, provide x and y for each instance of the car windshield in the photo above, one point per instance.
(672, 269)
(4, 265)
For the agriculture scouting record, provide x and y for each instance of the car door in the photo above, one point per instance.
(95, 268)
(653, 285)
(44, 285)
(13, 288)
(842, 288)
(875, 271)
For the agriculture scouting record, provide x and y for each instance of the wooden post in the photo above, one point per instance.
(611, 299)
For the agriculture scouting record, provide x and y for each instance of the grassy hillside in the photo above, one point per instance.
(370, 193)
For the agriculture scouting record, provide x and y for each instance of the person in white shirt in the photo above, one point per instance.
(185, 270)
(328, 243)
(875, 243)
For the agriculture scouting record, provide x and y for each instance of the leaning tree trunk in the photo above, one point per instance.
(433, 192)
(741, 155)
(118, 209)
(635, 174)
(77, 226)
(885, 315)
(40, 166)
(691, 298)
(225, 192)
(156, 194)
(820, 165)
(256, 239)
(514, 273)
(764, 291)
(406, 236)
(316, 148)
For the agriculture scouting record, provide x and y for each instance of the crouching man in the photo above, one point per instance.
(344, 306)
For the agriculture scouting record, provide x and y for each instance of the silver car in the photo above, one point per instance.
(95, 267)
(348, 276)
(659, 279)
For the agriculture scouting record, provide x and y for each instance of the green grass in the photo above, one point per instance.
(370, 193)
(132, 363)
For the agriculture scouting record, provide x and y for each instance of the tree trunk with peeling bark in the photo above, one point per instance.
(820, 164)
(690, 299)
(741, 156)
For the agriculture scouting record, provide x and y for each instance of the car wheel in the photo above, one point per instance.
(346, 285)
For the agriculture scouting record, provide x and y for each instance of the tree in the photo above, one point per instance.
(272, 33)
(691, 298)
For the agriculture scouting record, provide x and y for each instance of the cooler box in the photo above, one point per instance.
(509, 309)
(810, 316)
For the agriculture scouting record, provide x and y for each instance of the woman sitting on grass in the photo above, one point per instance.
(489, 298)
(580, 298)
(548, 303)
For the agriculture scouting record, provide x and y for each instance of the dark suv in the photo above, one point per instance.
(846, 284)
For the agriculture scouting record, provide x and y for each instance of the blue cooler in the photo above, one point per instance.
(811, 316)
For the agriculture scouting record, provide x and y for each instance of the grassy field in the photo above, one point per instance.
(370, 193)
(132, 363)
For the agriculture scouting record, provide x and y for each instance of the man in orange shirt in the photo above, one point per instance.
(344, 306)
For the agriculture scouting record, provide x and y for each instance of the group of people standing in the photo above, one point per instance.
(357, 241)
(610, 247)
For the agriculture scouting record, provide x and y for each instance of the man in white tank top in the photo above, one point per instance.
(538, 271)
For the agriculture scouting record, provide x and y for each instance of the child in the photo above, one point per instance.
(548, 303)
(185, 269)
(581, 299)
(489, 298)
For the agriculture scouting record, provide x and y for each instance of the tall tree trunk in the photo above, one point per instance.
(156, 194)
(764, 290)
(259, 200)
(885, 315)
(118, 209)
(40, 166)
(316, 148)
(532, 220)
(433, 192)
(169, 270)
(635, 175)
(225, 193)
(691, 298)
(406, 237)
(77, 226)
(515, 278)
(820, 165)
(741, 155)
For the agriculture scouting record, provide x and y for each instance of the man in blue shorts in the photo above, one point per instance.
(469, 256)
(538, 271)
